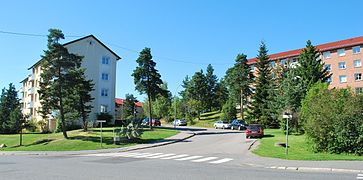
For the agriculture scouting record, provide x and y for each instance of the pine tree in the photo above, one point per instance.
(56, 88)
(239, 79)
(147, 78)
(260, 106)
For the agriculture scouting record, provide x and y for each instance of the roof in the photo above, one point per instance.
(71, 42)
(321, 47)
(120, 101)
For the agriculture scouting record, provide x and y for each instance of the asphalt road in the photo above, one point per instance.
(214, 155)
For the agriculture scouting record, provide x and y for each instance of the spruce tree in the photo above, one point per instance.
(211, 81)
(311, 69)
(260, 103)
(10, 113)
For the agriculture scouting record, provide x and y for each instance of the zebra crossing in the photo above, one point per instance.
(165, 156)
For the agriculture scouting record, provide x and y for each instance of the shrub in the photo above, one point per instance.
(333, 119)
(131, 131)
(105, 116)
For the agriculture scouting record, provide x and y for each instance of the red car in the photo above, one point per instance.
(254, 130)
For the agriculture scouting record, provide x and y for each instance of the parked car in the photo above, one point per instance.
(254, 130)
(154, 122)
(222, 124)
(180, 122)
(238, 124)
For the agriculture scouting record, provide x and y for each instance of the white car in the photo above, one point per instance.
(222, 125)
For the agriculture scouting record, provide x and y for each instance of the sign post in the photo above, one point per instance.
(101, 121)
(287, 116)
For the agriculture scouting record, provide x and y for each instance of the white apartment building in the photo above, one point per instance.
(100, 64)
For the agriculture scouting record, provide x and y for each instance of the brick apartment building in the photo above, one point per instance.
(342, 58)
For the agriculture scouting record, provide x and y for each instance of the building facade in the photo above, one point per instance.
(100, 65)
(342, 58)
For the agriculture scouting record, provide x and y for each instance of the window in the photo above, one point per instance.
(252, 68)
(359, 90)
(328, 80)
(272, 64)
(328, 67)
(357, 63)
(104, 76)
(104, 92)
(343, 79)
(326, 54)
(283, 62)
(341, 52)
(105, 60)
(342, 65)
(103, 108)
(356, 50)
(358, 76)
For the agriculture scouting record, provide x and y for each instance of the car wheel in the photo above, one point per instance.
(231, 127)
(239, 128)
(215, 127)
(247, 137)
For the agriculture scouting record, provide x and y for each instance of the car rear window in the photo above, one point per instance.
(254, 128)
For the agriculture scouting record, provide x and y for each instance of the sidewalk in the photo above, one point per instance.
(183, 135)
(326, 166)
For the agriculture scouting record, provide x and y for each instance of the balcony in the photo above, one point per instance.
(32, 90)
(30, 105)
(31, 77)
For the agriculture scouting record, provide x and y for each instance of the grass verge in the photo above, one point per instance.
(298, 148)
(78, 140)
(207, 119)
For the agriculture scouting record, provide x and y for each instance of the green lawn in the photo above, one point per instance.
(78, 140)
(207, 119)
(298, 148)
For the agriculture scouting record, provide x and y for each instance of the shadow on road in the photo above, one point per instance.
(183, 128)
(221, 132)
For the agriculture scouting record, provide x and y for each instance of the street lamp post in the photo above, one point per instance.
(176, 91)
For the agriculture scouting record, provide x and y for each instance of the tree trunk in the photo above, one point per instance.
(241, 108)
(61, 111)
(83, 113)
(150, 114)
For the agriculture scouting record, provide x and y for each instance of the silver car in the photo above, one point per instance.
(180, 122)
(222, 125)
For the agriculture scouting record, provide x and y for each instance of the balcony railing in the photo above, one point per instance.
(31, 77)
(30, 105)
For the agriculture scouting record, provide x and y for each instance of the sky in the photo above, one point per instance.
(184, 35)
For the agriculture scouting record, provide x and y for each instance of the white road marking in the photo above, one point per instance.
(147, 155)
(188, 158)
(160, 156)
(176, 157)
(221, 161)
(359, 176)
(130, 154)
(204, 159)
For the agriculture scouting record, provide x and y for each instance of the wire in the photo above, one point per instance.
(167, 58)
(118, 46)
(28, 34)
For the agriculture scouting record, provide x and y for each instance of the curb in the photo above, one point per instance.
(309, 169)
(125, 149)
(249, 148)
